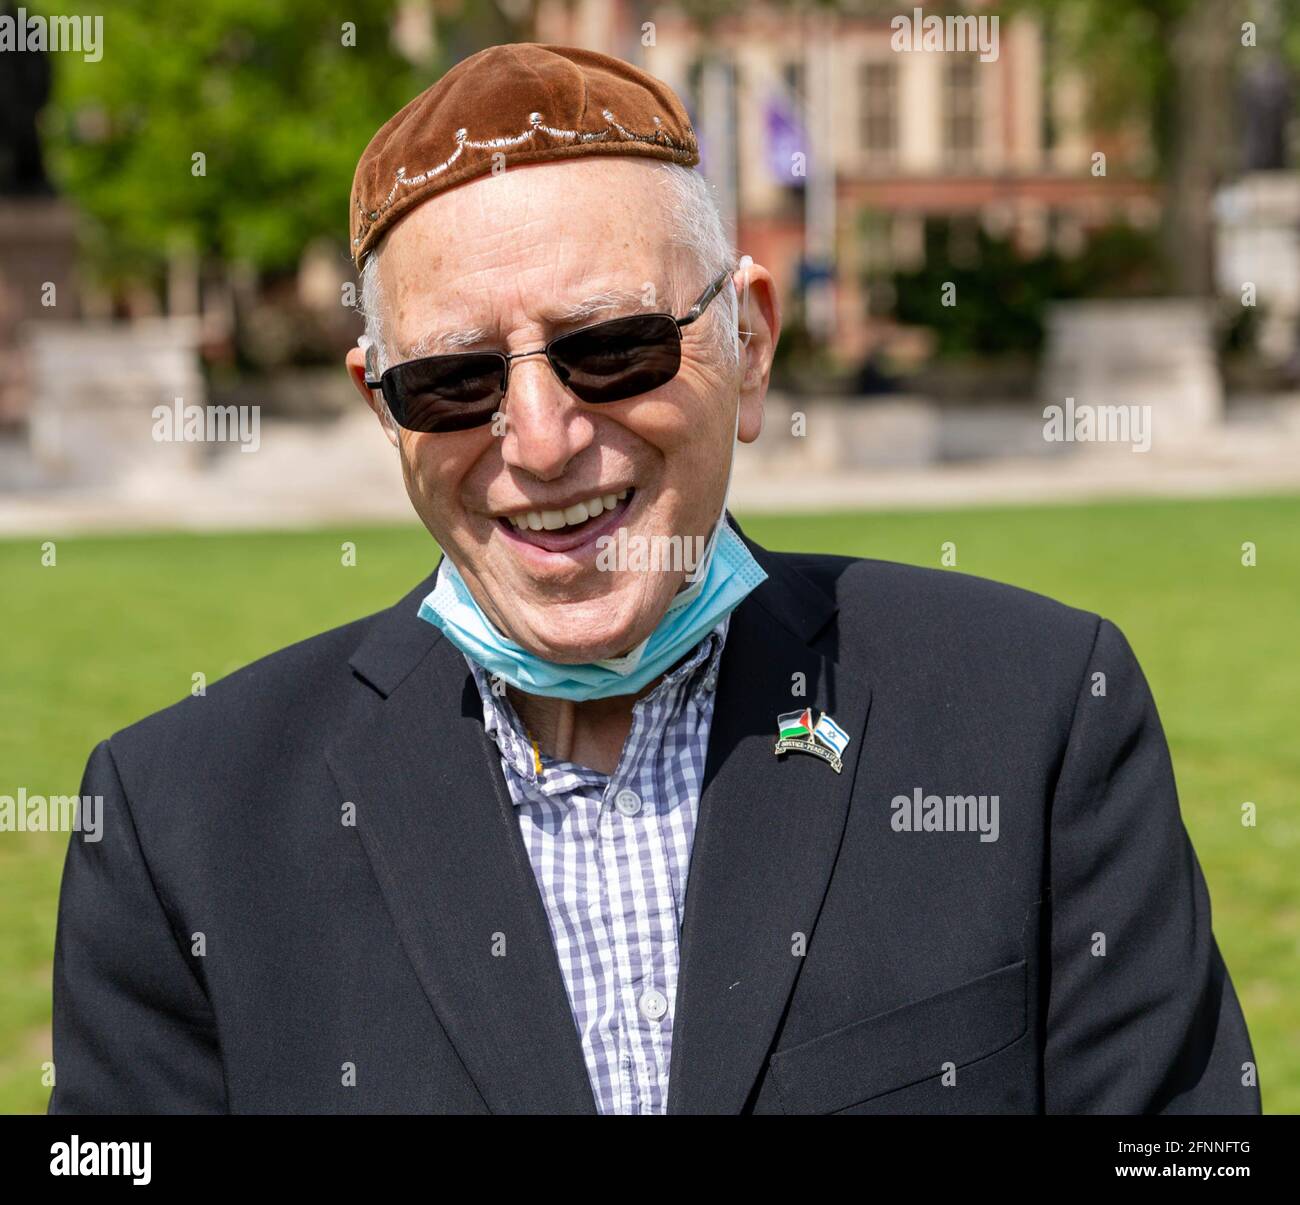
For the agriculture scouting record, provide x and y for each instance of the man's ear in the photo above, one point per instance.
(760, 328)
(356, 364)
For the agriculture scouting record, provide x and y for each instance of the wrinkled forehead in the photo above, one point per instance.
(532, 250)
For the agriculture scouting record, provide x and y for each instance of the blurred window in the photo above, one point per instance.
(961, 109)
(878, 109)
(792, 73)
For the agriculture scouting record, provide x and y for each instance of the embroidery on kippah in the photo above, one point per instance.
(659, 137)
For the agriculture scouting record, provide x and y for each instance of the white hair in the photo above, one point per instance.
(697, 231)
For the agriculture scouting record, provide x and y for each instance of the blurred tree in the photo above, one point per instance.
(1003, 295)
(1169, 61)
(278, 97)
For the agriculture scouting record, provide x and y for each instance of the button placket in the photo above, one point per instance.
(627, 910)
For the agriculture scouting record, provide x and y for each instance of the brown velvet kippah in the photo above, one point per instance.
(524, 102)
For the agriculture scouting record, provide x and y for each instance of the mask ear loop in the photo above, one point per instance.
(744, 332)
(743, 335)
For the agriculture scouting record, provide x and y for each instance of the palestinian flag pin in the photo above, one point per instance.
(795, 730)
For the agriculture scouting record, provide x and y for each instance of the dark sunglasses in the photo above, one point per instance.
(607, 362)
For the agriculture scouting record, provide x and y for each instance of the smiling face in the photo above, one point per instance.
(507, 263)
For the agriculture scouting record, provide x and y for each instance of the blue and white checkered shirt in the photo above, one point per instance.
(611, 855)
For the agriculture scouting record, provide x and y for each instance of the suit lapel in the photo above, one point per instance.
(766, 840)
(436, 821)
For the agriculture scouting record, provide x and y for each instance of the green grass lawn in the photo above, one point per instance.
(116, 629)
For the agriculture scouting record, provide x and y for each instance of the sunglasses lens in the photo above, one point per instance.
(618, 359)
(445, 393)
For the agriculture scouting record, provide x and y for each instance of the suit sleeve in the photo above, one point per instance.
(1142, 1016)
(133, 1030)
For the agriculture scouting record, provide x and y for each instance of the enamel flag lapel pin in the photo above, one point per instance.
(795, 730)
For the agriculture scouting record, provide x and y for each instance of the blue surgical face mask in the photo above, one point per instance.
(717, 589)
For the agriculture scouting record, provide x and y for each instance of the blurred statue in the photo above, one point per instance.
(1265, 110)
(24, 89)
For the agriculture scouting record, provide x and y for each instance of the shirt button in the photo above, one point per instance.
(654, 1005)
(627, 802)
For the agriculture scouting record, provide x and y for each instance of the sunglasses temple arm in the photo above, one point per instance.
(714, 289)
(708, 295)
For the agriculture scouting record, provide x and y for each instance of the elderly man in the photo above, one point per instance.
(619, 812)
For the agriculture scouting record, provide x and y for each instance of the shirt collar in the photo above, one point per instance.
(694, 677)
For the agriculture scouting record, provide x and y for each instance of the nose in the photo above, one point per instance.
(546, 427)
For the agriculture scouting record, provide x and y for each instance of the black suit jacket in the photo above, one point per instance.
(233, 944)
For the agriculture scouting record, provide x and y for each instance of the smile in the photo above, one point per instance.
(570, 528)
(570, 516)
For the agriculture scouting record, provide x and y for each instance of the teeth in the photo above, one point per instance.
(579, 512)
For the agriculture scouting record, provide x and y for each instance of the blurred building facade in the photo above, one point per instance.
(1003, 143)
